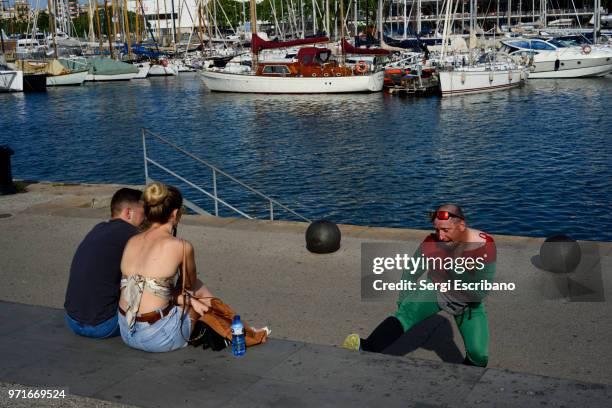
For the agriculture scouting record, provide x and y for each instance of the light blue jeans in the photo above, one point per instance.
(166, 334)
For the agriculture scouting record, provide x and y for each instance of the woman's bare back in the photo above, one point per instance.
(151, 254)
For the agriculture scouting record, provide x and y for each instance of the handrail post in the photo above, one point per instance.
(144, 153)
(271, 210)
(215, 192)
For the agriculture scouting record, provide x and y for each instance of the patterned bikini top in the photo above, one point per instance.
(134, 285)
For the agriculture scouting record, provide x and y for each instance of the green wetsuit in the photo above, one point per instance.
(417, 305)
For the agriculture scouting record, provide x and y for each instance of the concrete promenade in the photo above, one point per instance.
(557, 350)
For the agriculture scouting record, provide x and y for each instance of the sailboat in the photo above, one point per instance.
(492, 72)
(312, 71)
(10, 80)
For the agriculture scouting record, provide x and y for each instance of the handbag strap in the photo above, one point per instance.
(183, 267)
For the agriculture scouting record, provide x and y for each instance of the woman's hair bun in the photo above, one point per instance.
(155, 194)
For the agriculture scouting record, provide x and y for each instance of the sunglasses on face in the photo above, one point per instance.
(443, 215)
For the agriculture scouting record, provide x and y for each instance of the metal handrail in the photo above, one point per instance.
(272, 202)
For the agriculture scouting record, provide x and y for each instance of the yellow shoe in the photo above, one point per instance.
(352, 342)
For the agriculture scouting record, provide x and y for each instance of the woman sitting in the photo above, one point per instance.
(151, 316)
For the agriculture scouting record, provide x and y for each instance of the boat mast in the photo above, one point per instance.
(126, 28)
(596, 19)
(92, 37)
(137, 22)
(158, 22)
(254, 52)
(445, 32)
(99, 26)
(115, 18)
(173, 25)
(52, 21)
(380, 21)
(472, 29)
(342, 29)
(108, 27)
(1, 34)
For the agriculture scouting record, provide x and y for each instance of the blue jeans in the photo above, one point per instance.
(167, 334)
(104, 330)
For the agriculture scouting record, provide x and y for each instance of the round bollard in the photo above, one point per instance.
(560, 254)
(323, 237)
(6, 175)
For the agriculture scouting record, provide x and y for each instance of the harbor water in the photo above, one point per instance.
(531, 161)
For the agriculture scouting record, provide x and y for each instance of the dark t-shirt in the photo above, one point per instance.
(95, 274)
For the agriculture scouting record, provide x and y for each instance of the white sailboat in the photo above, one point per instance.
(10, 80)
(492, 72)
(313, 71)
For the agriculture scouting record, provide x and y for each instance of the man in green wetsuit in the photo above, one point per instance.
(452, 253)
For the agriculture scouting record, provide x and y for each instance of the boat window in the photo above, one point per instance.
(541, 45)
(307, 59)
(519, 44)
(324, 56)
(276, 69)
(281, 69)
(560, 43)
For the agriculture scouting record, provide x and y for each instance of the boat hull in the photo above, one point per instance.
(160, 70)
(11, 81)
(227, 82)
(116, 77)
(72, 79)
(572, 68)
(35, 82)
(143, 70)
(468, 82)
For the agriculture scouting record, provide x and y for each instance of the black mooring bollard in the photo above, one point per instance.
(6, 175)
(560, 254)
(323, 237)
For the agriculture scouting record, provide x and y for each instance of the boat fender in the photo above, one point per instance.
(586, 49)
(557, 64)
(462, 78)
(509, 76)
(490, 77)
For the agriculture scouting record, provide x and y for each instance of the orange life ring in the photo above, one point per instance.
(586, 49)
(361, 67)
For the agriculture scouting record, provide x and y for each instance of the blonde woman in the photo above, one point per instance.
(150, 314)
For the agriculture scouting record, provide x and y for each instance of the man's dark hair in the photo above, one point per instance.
(122, 197)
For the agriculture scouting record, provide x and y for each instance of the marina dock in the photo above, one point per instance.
(541, 350)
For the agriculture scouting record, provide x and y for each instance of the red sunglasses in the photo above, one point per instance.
(443, 215)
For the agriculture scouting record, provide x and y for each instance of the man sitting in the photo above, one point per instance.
(93, 289)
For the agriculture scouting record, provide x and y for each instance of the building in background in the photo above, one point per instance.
(159, 16)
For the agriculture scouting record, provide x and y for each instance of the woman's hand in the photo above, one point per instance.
(198, 306)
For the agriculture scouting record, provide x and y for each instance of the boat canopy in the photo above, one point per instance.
(259, 44)
(349, 49)
(311, 56)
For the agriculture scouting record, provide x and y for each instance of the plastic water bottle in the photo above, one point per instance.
(238, 344)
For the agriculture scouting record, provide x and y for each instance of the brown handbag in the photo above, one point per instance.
(220, 315)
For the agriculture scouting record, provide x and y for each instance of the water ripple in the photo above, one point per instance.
(531, 161)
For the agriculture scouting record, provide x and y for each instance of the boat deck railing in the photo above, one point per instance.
(216, 173)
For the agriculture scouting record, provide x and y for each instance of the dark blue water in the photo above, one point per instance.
(532, 161)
